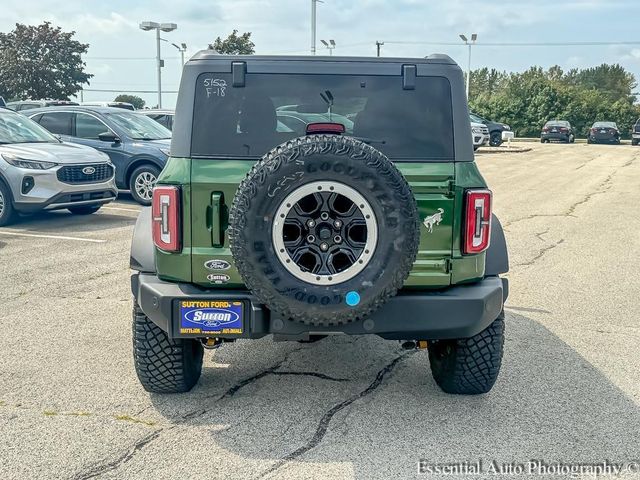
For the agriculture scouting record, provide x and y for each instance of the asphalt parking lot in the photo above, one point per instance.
(569, 391)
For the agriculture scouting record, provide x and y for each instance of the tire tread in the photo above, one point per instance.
(163, 365)
(473, 364)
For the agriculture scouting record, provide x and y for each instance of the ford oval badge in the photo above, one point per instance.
(88, 170)
(216, 264)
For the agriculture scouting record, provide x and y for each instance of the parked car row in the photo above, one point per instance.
(38, 171)
(76, 158)
(600, 132)
(21, 105)
(137, 146)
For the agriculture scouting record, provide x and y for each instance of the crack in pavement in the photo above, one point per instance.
(530, 217)
(234, 389)
(323, 425)
(540, 254)
(243, 383)
(599, 190)
(603, 187)
(102, 468)
(314, 374)
(539, 235)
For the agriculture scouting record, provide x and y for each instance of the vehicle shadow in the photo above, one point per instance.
(374, 410)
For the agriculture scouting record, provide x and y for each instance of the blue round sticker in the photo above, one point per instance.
(352, 298)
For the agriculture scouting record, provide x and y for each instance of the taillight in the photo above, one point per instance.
(477, 226)
(165, 211)
(545, 129)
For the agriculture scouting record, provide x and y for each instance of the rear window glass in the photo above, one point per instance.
(557, 123)
(271, 109)
(604, 125)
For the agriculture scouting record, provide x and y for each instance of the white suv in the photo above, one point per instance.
(479, 135)
(39, 172)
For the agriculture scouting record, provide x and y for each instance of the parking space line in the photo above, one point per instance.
(137, 210)
(58, 237)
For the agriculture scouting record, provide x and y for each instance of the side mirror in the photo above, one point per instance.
(109, 137)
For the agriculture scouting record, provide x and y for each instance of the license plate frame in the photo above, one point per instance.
(210, 317)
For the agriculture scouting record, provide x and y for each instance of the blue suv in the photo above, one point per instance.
(137, 145)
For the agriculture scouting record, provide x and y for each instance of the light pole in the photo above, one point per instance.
(313, 25)
(181, 48)
(165, 27)
(330, 46)
(474, 37)
(378, 45)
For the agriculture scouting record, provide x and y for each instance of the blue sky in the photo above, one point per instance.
(122, 57)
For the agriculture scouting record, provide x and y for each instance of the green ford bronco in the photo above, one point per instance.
(315, 196)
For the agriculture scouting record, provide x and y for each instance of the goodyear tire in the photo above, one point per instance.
(324, 229)
(164, 365)
(469, 366)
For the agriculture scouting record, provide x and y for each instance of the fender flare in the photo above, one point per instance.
(142, 257)
(497, 257)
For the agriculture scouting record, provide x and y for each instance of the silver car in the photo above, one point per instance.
(39, 172)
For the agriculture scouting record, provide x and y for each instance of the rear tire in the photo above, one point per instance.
(8, 213)
(164, 365)
(469, 366)
(84, 210)
(634, 142)
(141, 183)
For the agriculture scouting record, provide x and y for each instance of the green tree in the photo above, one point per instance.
(486, 82)
(134, 100)
(234, 44)
(41, 62)
(612, 80)
(527, 100)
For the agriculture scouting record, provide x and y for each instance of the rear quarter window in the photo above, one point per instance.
(247, 122)
(57, 122)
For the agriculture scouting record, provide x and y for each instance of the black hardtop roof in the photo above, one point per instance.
(212, 55)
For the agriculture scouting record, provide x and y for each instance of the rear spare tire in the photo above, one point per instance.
(324, 229)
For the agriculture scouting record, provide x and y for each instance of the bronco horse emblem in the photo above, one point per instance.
(432, 220)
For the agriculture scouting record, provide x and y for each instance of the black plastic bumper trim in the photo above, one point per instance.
(456, 312)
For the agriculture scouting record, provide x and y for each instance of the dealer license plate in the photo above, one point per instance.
(211, 317)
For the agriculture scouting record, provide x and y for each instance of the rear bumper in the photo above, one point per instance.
(555, 136)
(604, 139)
(457, 312)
